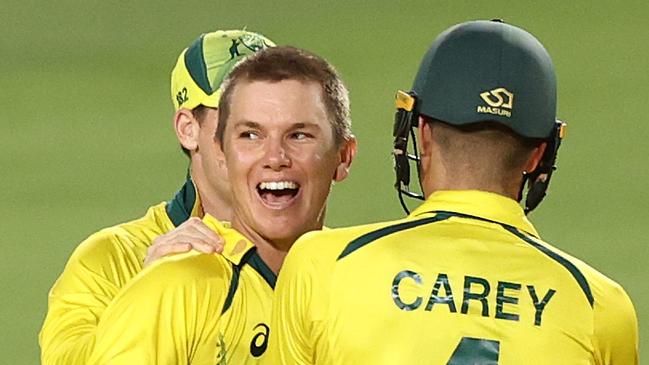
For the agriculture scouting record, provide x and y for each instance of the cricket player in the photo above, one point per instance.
(105, 262)
(284, 133)
(465, 278)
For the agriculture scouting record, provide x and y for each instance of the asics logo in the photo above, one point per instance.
(259, 343)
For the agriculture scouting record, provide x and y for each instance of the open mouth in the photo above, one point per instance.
(278, 194)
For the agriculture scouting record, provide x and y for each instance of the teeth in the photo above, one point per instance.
(278, 185)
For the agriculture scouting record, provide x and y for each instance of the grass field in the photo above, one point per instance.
(85, 122)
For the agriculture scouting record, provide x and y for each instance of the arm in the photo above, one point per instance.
(615, 328)
(292, 332)
(163, 316)
(79, 297)
(94, 275)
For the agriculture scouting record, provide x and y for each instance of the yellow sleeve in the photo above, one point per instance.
(615, 325)
(292, 322)
(161, 315)
(92, 277)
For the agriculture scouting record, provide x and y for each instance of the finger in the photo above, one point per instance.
(198, 240)
(191, 221)
(193, 229)
(210, 236)
(201, 237)
(194, 232)
(203, 246)
(156, 252)
(170, 248)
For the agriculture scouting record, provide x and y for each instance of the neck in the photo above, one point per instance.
(441, 178)
(272, 252)
(217, 208)
(212, 201)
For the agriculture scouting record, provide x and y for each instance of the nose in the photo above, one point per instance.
(276, 157)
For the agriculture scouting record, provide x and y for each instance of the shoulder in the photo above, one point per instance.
(128, 240)
(615, 323)
(610, 298)
(112, 256)
(602, 292)
(188, 268)
(190, 278)
(600, 284)
(330, 244)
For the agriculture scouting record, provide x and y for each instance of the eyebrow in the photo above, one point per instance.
(255, 125)
(248, 124)
(305, 125)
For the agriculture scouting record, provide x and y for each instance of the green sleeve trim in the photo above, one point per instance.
(385, 231)
(574, 271)
(442, 215)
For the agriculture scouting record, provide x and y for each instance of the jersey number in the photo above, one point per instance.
(475, 351)
(258, 350)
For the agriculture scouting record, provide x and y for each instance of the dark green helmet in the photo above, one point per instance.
(489, 71)
(483, 71)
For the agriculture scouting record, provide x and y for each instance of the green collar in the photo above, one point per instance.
(481, 204)
(184, 205)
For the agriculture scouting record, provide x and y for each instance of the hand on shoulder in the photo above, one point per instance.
(191, 234)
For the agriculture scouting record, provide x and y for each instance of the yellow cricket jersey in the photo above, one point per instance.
(97, 270)
(192, 308)
(465, 279)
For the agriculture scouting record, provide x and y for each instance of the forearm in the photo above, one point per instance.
(68, 333)
(68, 350)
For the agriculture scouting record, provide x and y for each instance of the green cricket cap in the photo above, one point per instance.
(482, 71)
(201, 68)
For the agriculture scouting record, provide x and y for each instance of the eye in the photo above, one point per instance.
(251, 135)
(301, 135)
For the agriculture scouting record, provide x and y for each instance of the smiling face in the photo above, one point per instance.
(281, 157)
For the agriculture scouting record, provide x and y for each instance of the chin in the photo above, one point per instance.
(285, 231)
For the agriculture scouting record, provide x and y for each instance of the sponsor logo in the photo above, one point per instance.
(246, 44)
(221, 351)
(253, 42)
(500, 101)
(259, 343)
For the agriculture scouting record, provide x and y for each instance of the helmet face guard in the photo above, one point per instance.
(539, 179)
(406, 120)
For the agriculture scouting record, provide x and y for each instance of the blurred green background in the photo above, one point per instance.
(86, 137)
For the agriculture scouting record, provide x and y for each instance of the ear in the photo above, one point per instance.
(347, 154)
(425, 139)
(187, 128)
(535, 157)
(219, 153)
